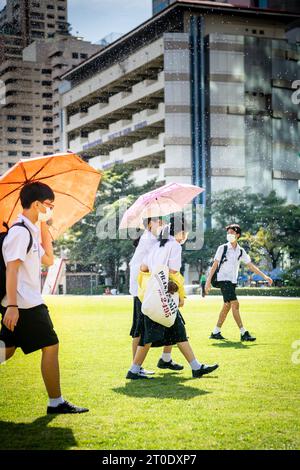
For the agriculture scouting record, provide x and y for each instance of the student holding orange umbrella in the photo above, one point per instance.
(26, 322)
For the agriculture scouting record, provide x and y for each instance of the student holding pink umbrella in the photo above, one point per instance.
(166, 252)
(143, 245)
(163, 201)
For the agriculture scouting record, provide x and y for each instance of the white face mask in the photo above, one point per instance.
(231, 238)
(44, 217)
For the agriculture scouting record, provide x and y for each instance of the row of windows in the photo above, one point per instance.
(40, 16)
(76, 55)
(46, 107)
(15, 93)
(24, 154)
(27, 142)
(15, 154)
(37, 34)
(52, 7)
(23, 118)
(23, 141)
(39, 25)
(255, 31)
(28, 130)
(25, 130)
(37, 16)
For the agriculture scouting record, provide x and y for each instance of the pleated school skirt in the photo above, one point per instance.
(137, 319)
(159, 335)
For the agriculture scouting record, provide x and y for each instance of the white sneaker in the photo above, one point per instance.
(146, 372)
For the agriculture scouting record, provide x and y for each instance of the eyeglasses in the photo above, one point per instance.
(48, 204)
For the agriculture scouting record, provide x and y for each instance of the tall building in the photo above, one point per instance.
(29, 76)
(282, 5)
(200, 94)
(36, 19)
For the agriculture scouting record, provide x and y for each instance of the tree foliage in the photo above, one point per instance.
(82, 241)
(270, 228)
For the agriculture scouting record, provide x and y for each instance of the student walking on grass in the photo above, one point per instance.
(143, 246)
(26, 323)
(167, 251)
(202, 283)
(225, 270)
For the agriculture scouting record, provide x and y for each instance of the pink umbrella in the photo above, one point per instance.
(162, 201)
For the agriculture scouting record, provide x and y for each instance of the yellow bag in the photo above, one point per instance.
(143, 279)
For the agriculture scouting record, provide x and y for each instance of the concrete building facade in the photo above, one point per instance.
(197, 94)
(281, 5)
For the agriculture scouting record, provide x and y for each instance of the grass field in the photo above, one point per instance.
(251, 402)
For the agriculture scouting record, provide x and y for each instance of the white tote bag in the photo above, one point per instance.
(160, 306)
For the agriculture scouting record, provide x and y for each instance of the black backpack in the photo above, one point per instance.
(3, 235)
(214, 281)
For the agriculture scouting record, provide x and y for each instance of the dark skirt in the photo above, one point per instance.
(137, 320)
(159, 335)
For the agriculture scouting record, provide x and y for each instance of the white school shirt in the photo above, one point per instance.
(170, 255)
(146, 243)
(230, 269)
(14, 248)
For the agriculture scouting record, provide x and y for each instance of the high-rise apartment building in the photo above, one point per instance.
(36, 19)
(29, 76)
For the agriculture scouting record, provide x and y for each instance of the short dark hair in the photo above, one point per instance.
(235, 227)
(177, 225)
(147, 221)
(36, 191)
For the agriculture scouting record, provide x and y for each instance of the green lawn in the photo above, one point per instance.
(251, 402)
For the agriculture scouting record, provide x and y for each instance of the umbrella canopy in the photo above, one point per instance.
(162, 201)
(257, 277)
(276, 274)
(73, 181)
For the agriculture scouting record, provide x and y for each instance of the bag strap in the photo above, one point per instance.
(241, 254)
(22, 224)
(222, 257)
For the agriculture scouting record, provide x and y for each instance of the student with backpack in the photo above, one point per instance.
(26, 323)
(224, 274)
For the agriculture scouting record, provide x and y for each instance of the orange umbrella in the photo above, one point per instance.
(73, 181)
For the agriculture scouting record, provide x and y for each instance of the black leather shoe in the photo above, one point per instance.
(168, 365)
(216, 336)
(247, 337)
(65, 408)
(204, 370)
(130, 375)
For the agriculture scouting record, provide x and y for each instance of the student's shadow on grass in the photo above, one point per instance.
(233, 344)
(35, 436)
(163, 387)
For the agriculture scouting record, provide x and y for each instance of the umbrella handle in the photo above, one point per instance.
(5, 225)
